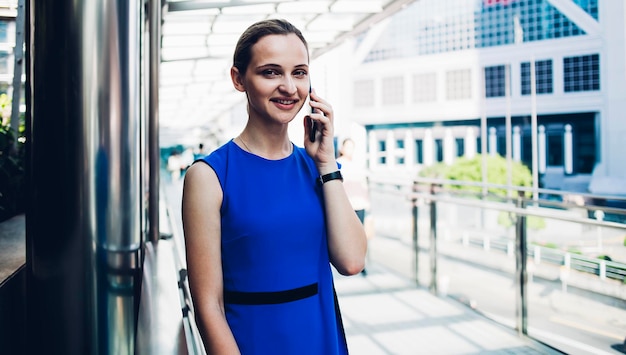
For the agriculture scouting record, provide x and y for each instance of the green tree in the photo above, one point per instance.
(471, 170)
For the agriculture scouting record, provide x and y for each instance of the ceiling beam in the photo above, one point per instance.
(190, 5)
(364, 25)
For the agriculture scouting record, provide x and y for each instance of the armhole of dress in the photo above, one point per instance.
(219, 180)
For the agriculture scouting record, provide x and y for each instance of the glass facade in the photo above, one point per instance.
(4, 62)
(400, 147)
(543, 77)
(393, 90)
(581, 73)
(438, 26)
(4, 54)
(438, 150)
(460, 147)
(419, 151)
(459, 84)
(4, 29)
(425, 87)
(382, 148)
(495, 81)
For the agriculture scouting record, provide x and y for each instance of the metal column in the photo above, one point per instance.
(153, 119)
(83, 225)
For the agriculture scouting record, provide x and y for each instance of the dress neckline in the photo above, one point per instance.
(293, 149)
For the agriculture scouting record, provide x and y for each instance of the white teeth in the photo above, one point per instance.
(284, 102)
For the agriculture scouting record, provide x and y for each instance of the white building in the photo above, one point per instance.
(437, 69)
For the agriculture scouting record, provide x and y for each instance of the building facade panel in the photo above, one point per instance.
(478, 60)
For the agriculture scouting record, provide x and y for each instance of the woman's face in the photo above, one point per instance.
(277, 79)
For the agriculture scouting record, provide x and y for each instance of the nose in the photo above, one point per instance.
(288, 85)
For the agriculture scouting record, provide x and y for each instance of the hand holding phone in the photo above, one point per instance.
(312, 124)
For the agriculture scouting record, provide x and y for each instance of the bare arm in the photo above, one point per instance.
(347, 242)
(202, 198)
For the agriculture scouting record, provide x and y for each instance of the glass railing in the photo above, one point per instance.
(549, 264)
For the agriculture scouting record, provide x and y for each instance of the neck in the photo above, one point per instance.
(264, 146)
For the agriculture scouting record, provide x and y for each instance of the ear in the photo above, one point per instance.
(237, 79)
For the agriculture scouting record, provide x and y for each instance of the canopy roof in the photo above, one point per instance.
(199, 38)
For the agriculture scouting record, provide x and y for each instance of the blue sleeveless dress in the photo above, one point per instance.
(278, 286)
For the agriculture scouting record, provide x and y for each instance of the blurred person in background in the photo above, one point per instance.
(200, 152)
(355, 182)
(174, 165)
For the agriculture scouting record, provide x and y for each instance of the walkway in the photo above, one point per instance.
(384, 313)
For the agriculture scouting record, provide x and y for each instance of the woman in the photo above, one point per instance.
(261, 227)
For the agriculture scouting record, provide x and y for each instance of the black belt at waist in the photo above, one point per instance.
(259, 298)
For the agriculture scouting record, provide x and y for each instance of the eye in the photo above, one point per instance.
(300, 73)
(270, 73)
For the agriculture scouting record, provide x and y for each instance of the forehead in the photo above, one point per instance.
(279, 49)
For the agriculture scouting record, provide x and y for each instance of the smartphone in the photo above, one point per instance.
(313, 128)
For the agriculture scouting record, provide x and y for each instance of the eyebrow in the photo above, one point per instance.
(272, 65)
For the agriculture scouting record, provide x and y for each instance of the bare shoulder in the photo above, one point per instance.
(200, 174)
(199, 171)
(202, 182)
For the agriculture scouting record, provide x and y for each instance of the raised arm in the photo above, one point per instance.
(202, 198)
(347, 242)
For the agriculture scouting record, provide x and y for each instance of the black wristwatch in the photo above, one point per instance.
(322, 179)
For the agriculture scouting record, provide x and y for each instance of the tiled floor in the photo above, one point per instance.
(385, 313)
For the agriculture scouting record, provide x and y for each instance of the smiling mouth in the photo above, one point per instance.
(284, 102)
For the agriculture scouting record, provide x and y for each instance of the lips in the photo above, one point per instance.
(284, 103)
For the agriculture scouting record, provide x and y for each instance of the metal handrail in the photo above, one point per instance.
(192, 333)
(407, 182)
(432, 191)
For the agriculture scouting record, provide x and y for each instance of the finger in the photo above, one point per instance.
(321, 107)
(316, 101)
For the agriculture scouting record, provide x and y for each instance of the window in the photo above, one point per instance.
(4, 88)
(590, 7)
(585, 147)
(460, 147)
(419, 151)
(439, 150)
(555, 150)
(581, 73)
(4, 26)
(382, 149)
(458, 84)
(495, 81)
(425, 87)
(4, 62)
(364, 93)
(501, 142)
(400, 151)
(527, 147)
(393, 91)
(543, 77)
